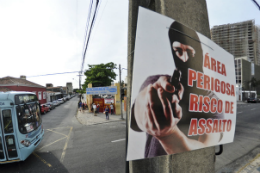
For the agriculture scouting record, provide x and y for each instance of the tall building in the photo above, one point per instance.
(240, 39)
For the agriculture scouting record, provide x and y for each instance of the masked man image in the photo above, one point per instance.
(161, 108)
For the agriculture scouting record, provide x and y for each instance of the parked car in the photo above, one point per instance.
(48, 107)
(252, 100)
(56, 103)
(51, 105)
(61, 101)
(44, 109)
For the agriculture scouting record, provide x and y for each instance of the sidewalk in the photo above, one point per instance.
(88, 118)
(249, 163)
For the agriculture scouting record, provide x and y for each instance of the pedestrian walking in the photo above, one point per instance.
(94, 108)
(112, 108)
(106, 111)
(80, 105)
(98, 106)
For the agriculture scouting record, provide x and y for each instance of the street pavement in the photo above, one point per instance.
(243, 155)
(88, 118)
(69, 146)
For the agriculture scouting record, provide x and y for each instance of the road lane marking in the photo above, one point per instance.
(46, 163)
(240, 112)
(59, 127)
(57, 132)
(119, 140)
(51, 143)
(65, 146)
(253, 109)
(250, 165)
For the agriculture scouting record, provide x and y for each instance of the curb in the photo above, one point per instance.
(250, 162)
(103, 121)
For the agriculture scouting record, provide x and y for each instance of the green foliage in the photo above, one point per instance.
(122, 83)
(99, 75)
(81, 91)
(254, 83)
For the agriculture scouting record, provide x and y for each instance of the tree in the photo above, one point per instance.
(100, 75)
(81, 91)
(254, 83)
(122, 83)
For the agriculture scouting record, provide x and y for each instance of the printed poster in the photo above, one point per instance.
(183, 92)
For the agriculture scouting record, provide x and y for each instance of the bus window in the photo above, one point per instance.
(7, 119)
(29, 118)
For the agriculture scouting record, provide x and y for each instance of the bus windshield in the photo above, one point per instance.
(29, 117)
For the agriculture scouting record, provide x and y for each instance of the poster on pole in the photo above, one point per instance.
(183, 90)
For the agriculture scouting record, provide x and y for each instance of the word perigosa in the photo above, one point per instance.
(209, 83)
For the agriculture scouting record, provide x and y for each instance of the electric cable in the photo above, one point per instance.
(53, 74)
(87, 25)
(90, 30)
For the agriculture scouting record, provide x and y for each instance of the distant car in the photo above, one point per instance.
(44, 109)
(56, 103)
(252, 100)
(51, 105)
(61, 101)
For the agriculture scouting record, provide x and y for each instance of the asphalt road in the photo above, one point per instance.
(246, 143)
(69, 146)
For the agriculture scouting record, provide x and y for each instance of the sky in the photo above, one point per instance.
(39, 37)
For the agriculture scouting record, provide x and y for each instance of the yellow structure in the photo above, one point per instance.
(116, 96)
(89, 98)
(117, 100)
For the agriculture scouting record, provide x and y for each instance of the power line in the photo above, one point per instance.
(53, 74)
(87, 25)
(256, 4)
(90, 30)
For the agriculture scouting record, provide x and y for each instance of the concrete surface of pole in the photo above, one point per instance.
(194, 15)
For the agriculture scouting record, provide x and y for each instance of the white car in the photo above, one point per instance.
(56, 102)
(61, 101)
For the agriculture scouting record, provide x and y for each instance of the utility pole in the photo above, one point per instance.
(120, 83)
(80, 85)
(194, 15)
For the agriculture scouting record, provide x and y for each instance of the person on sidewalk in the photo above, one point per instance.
(106, 111)
(112, 108)
(80, 105)
(98, 106)
(94, 109)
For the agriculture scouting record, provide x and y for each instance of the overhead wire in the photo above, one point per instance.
(87, 25)
(53, 74)
(89, 34)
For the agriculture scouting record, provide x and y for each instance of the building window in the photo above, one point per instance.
(44, 95)
(39, 95)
